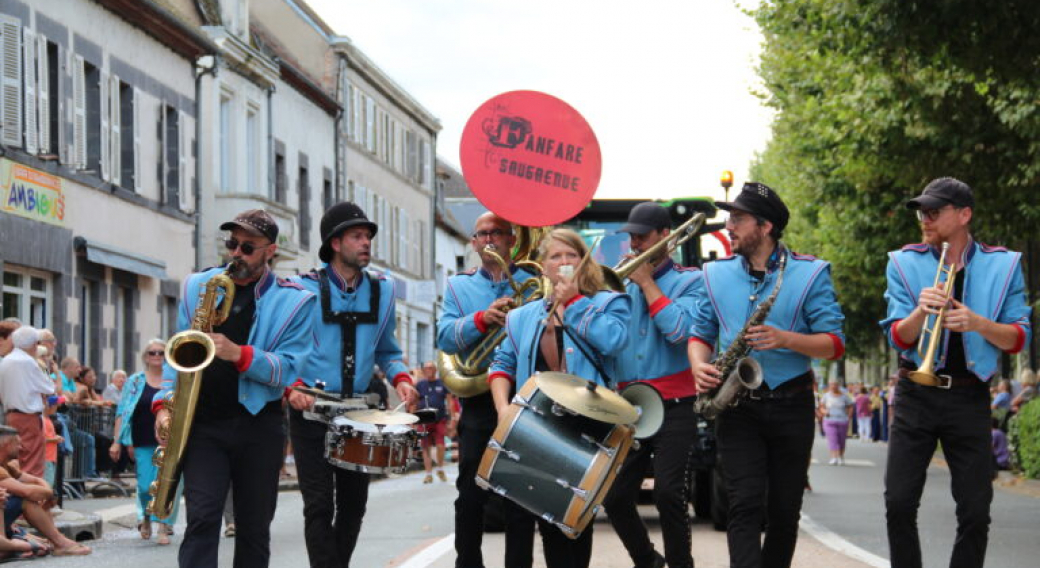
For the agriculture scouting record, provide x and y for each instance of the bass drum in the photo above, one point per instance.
(556, 464)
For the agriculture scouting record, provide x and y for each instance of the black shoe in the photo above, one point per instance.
(657, 562)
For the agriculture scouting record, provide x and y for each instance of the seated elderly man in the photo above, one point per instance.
(31, 497)
(22, 388)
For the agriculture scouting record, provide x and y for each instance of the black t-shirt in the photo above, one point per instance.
(956, 364)
(142, 421)
(218, 397)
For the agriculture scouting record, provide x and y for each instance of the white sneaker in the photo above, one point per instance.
(834, 461)
(841, 461)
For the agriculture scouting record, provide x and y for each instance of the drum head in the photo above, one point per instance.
(344, 422)
(390, 429)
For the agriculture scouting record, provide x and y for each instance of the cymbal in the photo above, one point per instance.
(585, 398)
(382, 417)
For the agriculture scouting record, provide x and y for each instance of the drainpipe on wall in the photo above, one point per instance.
(205, 65)
(340, 174)
(271, 192)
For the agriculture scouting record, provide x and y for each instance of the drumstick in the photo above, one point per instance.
(316, 393)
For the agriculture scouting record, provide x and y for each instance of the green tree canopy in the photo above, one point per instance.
(875, 98)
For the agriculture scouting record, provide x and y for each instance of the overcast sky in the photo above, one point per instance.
(665, 84)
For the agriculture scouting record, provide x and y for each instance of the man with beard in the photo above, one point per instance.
(662, 295)
(237, 438)
(986, 314)
(475, 304)
(765, 441)
(355, 330)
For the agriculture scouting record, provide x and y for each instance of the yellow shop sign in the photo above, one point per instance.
(30, 193)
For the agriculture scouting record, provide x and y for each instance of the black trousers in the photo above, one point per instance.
(334, 499)
(669, 452)
(244, 452)
(476, 425)
(764, 449)
(560, 551)
(958, 418)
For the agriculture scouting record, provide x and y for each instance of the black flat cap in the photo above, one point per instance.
(760, 200)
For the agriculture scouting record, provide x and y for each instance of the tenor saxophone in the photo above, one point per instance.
(741, 372)
(188, 352)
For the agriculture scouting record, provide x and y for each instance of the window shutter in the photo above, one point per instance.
(160, 163)
(11, 73)
(418, 239)
(31, 132)
(137, 140)
(115, 119)
(65, 154)
(105, 134)
(183, 150)
(79, 114)
(43, 96)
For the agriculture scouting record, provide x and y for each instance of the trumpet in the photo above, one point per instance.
(931, 332)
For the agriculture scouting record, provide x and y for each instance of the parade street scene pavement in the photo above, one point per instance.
(539, 284)
(410, 524)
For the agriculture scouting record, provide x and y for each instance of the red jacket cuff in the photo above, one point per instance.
(288, 390)
(572, 300)
(894, 330)
(245, 359)
(402, 377)
(699, 340)
(498, 374)
(157, 406)
(658, 305)
(478, 320)
(1021, 341)
(839, 347)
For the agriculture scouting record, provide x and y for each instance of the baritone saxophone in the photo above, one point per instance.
(188, 352)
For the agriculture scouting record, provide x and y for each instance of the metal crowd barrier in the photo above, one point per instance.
(86, 424)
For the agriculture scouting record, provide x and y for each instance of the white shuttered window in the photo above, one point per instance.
(10, 81)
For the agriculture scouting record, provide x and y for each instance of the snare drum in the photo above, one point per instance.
(369, 448)
(557, 464)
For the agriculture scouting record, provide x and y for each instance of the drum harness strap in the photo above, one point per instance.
(580, 343)
(348, 322)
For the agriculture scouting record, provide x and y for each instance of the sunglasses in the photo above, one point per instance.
(931, 214)
(246, 248)
(154, 353)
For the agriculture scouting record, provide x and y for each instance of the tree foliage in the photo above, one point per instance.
(875, 98)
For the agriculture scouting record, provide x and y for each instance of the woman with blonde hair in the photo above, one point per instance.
(576, 330)
(1028, 392)
(135, 429)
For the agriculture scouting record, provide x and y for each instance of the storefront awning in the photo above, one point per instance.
(101, 253)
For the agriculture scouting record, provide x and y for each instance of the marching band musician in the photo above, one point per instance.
(236, 439)
(474, 302)
(765, 441)
(662, 295)
(988, 283)
(355, 320)
(585, 330)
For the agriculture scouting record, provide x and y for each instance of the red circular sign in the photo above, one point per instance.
(530, 158)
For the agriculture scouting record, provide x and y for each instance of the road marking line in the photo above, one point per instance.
(831, 540)
(427, 556)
